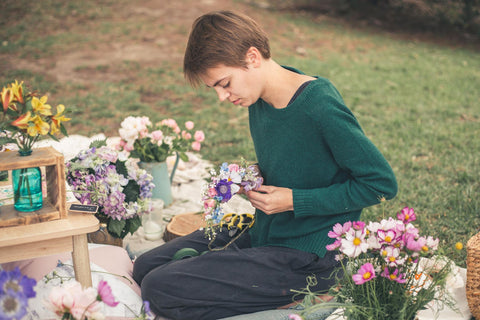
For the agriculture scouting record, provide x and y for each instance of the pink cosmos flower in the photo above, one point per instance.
(354, 243)
(392, 256)
(407, 215)
(394, 276)
(358, 225)
(105, 294)
(294, 317)
(339, 230)
(189, 125)
(365, 274)
(415, 244)
(389, 236)
(335, 245)
(432, 243)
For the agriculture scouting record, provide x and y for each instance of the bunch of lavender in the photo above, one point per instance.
(104, 177)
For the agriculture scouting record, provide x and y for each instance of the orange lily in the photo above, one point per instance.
(17, 91)
(39, 127)
(22, 121)
(40, 107)
(58, 119)
(7, 98)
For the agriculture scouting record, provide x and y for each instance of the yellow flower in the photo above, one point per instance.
(7, 97)
(459, 246)
(40, 107)
(58, 119)
(18, 91)
(22, 121)
(39, 127)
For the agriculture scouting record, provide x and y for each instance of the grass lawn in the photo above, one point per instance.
(418, 100)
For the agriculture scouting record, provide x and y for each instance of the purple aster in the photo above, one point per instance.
(224, 189)
(12, 305)
(14, 280)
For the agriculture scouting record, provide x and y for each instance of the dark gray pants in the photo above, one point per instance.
(219, 284)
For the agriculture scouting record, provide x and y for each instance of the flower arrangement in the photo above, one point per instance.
(26, 117)
(223, 185)
(386, 273)
(105, 177)
(69, 301)
(154, 143)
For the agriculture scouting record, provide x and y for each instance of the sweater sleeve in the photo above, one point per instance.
(369, 177)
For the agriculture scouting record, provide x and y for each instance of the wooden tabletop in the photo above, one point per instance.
(74, 224)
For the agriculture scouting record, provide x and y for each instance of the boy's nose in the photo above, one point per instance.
(222, 94)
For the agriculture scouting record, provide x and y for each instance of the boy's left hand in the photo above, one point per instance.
(271, 199)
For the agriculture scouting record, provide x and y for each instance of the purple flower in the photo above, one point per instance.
(224, 189)
(15, 290)
(17, 282)
(12, 305)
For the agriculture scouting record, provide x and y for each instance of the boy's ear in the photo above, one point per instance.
(253, 57)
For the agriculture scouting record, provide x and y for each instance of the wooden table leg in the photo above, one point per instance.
(81, 260)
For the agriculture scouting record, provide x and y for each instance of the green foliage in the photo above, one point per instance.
(120, 228)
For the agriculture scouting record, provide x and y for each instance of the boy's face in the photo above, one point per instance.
(238, 85)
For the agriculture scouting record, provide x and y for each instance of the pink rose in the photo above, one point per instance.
(186, 135)
(233, 167)
(189, 125)
(212, 192)
(199, 136)
(196, 146)
(210, 203)
(157, 135)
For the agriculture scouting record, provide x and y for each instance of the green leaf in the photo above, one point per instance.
(131, 191)
(133, 225)
(115, 227)
(98, 143)
(121, 168)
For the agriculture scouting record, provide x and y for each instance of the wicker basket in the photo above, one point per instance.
(183, 224)
(473, 275)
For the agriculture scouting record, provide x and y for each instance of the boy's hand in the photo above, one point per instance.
(271, 199)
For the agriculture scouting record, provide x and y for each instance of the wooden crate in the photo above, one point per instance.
(54, 204)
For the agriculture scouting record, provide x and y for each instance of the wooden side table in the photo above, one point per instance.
(50, 237)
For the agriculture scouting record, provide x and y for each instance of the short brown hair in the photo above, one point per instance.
(221, 37)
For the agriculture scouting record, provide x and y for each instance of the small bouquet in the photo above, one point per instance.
(154, 143)
(104, 177)
(223, 185)
(26, 118)
(389, 270)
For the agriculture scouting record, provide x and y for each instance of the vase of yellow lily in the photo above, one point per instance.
(26, 118)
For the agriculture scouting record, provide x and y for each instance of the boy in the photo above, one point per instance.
(318, 166)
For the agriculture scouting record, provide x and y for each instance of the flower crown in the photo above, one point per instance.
(223, 185)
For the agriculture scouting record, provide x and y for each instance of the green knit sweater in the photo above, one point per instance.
(316, 147)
